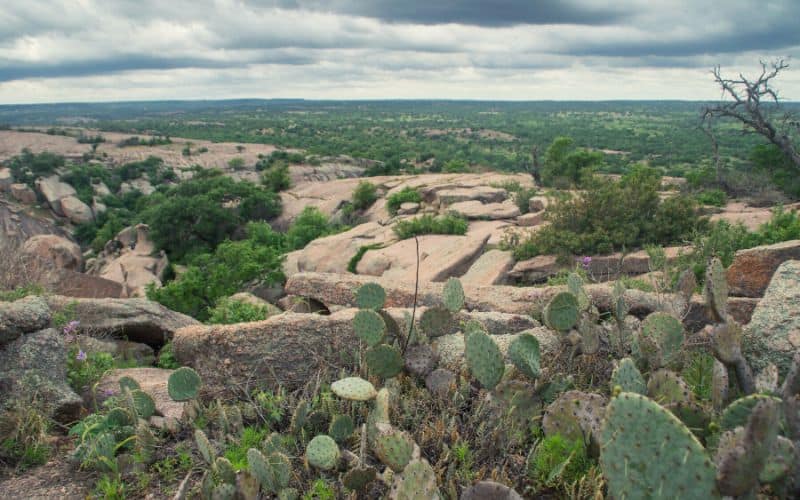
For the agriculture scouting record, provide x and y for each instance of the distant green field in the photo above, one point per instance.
(494, 135)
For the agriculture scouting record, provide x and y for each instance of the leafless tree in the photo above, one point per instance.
(755, 104)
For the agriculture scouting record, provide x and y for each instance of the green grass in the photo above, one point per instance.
(428, 224)
(237, 451)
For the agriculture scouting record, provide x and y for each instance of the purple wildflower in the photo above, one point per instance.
(71, 327)
(585, 262)
(81, 356)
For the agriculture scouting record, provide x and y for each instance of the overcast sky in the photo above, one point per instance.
(107, 50)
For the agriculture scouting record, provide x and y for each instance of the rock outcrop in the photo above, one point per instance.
(76, 211)
(751, 270)
(491, 268)
(773, 334)
(22, 316)
(53, 190)
(54, 251)
(23, 193)
(153, 381)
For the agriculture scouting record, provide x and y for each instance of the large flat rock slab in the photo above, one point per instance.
(491, 268)
(751, 270)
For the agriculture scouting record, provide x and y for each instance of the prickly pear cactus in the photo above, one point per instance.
(224, 491)
(369, 327)
(727, 342)
(119, 417)
(184, 384)
(145, 443)
(719, 385)
(341, 428)
(637, 462)
(687, 282)
(322, 452)
(384, 361)
(437, 321)
(575, 415)
(666, 387)
(379, 414)
(693, 416)
(299, 416)
(716, 290)
(354, 389)
(575, 287)
(742, 460)
(273, 472)
(359, 478)
(628, 377)
(738, 413)
(418, 482)
(393, 447)
(619, 305)
(484, 358)
(781, 460)
(207, 451)
(370, 296)
(561, 313)
(660, 339)
(524, 353)
(421, 359)
(453, 295)
(224, 470)
(144, 404)
(128, 383)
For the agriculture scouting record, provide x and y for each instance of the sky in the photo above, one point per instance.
(122, 50)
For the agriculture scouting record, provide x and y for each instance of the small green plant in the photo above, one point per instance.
(558, 462)
(715, 197)
(237, 450)
(20, 292)
(23, 437)
(698, 374)
(110, 487)
(320, 490)
(277, 178)
(365, 194)
(166, 358)
(406, 195)
(228, 311)
(428, 224)
(84, 370)
(362, 250)
(236, 163)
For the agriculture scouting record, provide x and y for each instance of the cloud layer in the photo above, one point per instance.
(90, 50)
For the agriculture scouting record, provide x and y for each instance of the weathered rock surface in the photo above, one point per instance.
(249, 298)
(408, 208)
(17, 225)
(773, 334)
(6, 179)
(491, 268)
(23, 193)
(740, 308)
(153, 381)
(137, 320)
(22, 316)
(339, 290)
(440, 257)
(122, 350)
(75, 284)
(54, 191)
(55, 251)
(481, 195)
(474, 209)
(76, 211)
(751, 270)
(531, 219)
(286, 350)
(33, 368)
(451, 347)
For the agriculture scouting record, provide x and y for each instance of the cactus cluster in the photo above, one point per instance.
(659, 342)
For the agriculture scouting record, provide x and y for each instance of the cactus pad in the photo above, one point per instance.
(129, 383)
(384, 361)
(144, 404)
(727, 342)
(524, 353)
(354, 389)
(575, 415)
(660, 339)
(370, 296)
(418, 482)
(322, 452)
(184, 384)
(299, 416)
(273, 472)
(716, 290)
(575, 287)
(743, 455)
(738, 412)
(453, 295)
(224, 469)
(379, 414)
(646, 452)
(341, 428)
(666, 387)
(119, 417)
(437, 321)
(484, 358)
(224, 491)
(517, 403)
(628, 377)
(204, 446)
(693, 416)
(686, 284)
(719, 385)
(369, 327)
(358, 478)
(779, 462)
(393, 447)
(561, 313)
(421, 359)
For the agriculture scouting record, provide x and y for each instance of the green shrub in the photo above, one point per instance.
(20, 292)
(24, 440)
(455, 166)
(236, 452)
(352, 264)
(406, 195)
(27, 166)
(522, 199)
(276, 178)
(166, 358)
(365, 194)
(236, 163)
(564, 166)
(308, 226)
(228, 311)
(428, 224)
(558, 462)
(84, 370)
(715, 197)
(613, 216)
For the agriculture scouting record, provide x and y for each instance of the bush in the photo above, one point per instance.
(613, 216)
(228, 311)
(27, 166)
(427, 224)
(309, 225)
(365, 194)
(211, 276)
(715, 197)
(406, 195)
(564, 166)
(236, 163)
(522, 198)
(276, 178)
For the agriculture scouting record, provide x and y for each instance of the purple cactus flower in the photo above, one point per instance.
(585, 262)
(71, 327)
(81, 356)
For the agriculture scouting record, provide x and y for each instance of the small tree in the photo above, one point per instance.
(756, 105)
